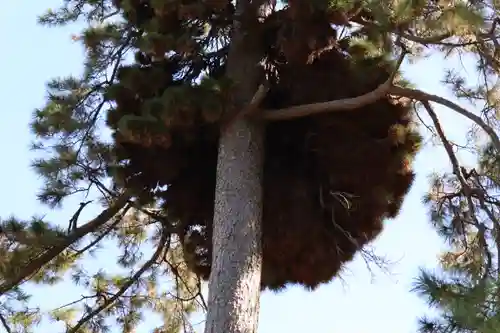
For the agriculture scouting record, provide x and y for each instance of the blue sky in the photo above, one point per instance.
(356, 303)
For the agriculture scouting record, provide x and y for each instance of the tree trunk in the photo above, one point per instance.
(234, 285)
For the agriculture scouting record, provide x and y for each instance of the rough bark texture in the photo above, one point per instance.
(234, 285)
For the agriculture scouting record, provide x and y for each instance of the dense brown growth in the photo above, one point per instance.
(329, 179)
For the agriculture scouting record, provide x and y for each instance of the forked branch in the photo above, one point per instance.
(423, 96)
(251, 108)
(465, 188)
(385, 89)
(5, 324)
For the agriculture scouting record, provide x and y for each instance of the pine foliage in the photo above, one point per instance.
(342, 172)
(465, 210)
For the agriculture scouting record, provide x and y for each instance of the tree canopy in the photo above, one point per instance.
(155, 96)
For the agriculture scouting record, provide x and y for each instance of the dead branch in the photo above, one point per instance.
(73, 222)
(251, 108)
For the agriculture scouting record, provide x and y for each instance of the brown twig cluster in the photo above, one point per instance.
(330, 178)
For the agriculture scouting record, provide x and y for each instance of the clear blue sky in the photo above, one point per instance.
(31, 55)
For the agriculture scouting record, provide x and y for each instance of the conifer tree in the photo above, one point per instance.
(206, 166)
(465, 209)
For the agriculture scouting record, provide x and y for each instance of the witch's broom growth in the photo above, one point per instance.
(329, 179)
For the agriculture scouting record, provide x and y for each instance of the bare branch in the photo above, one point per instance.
(252, 107)
(74, 220)
(422, 96)
(337, 105)
(372, 96)
(5, 324)
(104, 233)
(256, 99)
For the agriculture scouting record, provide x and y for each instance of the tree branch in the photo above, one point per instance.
(422, 96)
(386, 88)
(161, 246)
(5, 324)
(104, 233)
(252, 107)
(425, 40)
(59, 246)
(465, 188)
(165, 222)
(337, 105)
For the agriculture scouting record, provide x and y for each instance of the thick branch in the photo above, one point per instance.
(331, 106)
(252, 107)
(372, 96)
(337, 105)
(59, 246)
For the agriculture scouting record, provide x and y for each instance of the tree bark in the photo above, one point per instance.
(234, 284)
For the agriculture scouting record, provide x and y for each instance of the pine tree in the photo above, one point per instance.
(465, 291)
(206, 163)
(465, 210)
